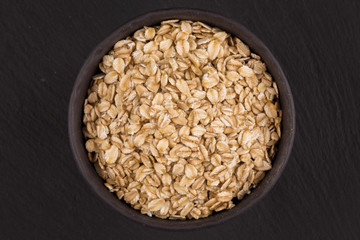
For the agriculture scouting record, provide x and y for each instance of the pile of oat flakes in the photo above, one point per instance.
(182, 120)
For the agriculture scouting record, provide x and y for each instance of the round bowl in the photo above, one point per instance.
(90, 67)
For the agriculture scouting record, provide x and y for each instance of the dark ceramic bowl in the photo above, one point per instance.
(90, 67)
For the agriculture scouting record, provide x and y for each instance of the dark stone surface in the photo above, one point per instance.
(42, 47)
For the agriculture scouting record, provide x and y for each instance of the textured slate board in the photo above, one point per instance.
(43, 45)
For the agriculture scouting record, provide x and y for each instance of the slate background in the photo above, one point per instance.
(42, 47)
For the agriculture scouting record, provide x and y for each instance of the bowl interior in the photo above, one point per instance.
(90, 67)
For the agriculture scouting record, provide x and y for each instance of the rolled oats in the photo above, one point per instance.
(182, 119)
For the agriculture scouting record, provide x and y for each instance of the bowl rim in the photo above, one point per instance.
(152, 18)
